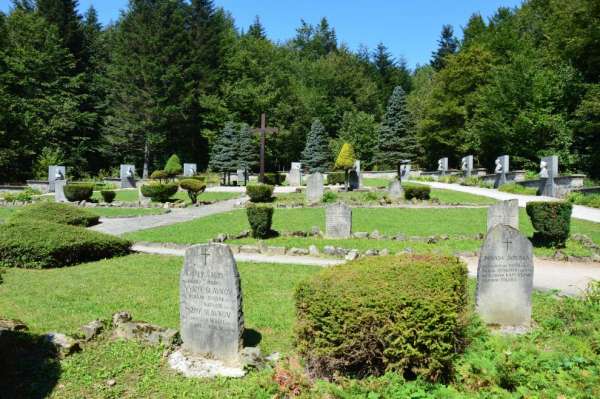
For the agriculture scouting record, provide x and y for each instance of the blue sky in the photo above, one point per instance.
(408, 28)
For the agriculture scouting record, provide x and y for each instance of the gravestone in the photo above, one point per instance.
(189, 169)
(212, 320)
(405, 170)
(241, 177)
(395, 190)
(466, 165)
(501, 168)
(59, 191)
(127, 175)
(548, 171)
(443, 166)
(504, 212)
(338, 221)
(358, 173)
(295, 179)
(55, 172)
(314, 188)
(505, 278)
(142, 199)
(353, 180)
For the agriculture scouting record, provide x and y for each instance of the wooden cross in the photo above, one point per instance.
(205, 254)
(507, 242)
(262, 130)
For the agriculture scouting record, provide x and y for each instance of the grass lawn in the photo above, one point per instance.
(559, 359)
(103, 212)
(131, 195)
(409, 222)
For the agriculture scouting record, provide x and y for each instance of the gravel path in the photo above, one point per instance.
(118, 226)
(579, 212)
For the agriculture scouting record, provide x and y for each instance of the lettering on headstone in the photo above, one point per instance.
(504, 212)
(338, 221)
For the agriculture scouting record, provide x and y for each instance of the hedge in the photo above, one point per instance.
(56, 213)
(274, 179)
(336, 178)
(260, 192)
(552, 220)
(401, 314)
(193, 188)
(40, 244)
(260, 218)
(79, 191)
(108, 195)
(418, 192)
(159, 192)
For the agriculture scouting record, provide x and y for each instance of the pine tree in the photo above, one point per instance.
(316, 151)
(396, 140)
(224, 154)
(447, 44)
(247, 151)
(256, 30)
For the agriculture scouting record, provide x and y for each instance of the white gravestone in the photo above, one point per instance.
(358, 171)
(548, 171)
(405, 171)
(501, 168)
(504, 212)
(241, 177)
(55, 172)
(212, 320)
(395, 190)
(466, 165)
(295, 179)
(505, 278)
(127, 176)
(338, 221)
(314, 188)
(189, 169)
(59, 191)
(443, 166)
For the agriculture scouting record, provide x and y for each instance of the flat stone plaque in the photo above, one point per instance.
(314, 188)
(212, 319)
(504, 212)
(55, 172)
(127, 175)
(189, 169)
(505, 278)
(338, 221)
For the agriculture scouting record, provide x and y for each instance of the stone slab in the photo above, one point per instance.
(503, 212)
(127, 176)
(314, 188)
(55, 172)
(338, 221)
(395, 190)
(189, 169)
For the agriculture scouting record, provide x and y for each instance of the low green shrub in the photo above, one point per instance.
(396, 313)
(484, 184)
(274, 179)
(79, 191)
(336, 178)
(472, 181)
(56, 213)
(159, 192)
(551, 220)
(260, 192)
(40, 244)
(329, 197)
(260, 218)
(515, 188)
(592, 200)
(449, 179)
(416, 191)
(25, 195)
(424, 178)
(108, 195)
(159, 175)
(193, 188)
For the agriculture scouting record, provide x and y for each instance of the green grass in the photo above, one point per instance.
(132, 195)
(103, 212)
(558, 359)
(515, 188)
(376, 182)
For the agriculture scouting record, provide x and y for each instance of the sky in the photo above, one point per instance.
(409, 29)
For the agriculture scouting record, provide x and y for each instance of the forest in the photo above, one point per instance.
(176, 76)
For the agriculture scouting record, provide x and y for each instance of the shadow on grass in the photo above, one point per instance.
(29, 366)
(251, 337)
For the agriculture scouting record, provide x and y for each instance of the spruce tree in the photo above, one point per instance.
(316, 152)
(256, 30)
(447, 44)
(224, 154)
(247, 151)
(396, 140)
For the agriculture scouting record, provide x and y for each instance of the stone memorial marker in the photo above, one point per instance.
(358, 173)
(405, 170)
(443, 166)
(353, 180)
(466, 165)
(501, 169)
(127, 175)
(338, 221)
(59, 190)
(504, 212)
(505, 278)
(55, 172)
(212, 320)
(395, 190)
(295, 179)
(189, 169)
(142, 199)
(314, 188)
(241, 177)
(548, 171)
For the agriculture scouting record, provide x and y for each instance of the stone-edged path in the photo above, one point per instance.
(579, 212)
(118, 226)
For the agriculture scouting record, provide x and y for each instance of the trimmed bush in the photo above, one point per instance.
(418, 192)
(274, 179)
(159, 175)
(329, 197)
(260, 192)
(173, 166)
(515, 188)
(39, 245)
(108, 195)
(336, 178)
(56, 213)
(260, 218)
(552, 220)
(79, 191)
(388, 314)
(193, 188)
(159, 192)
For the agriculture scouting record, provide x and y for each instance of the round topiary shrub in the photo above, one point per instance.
(173, 166)
(159, 175)
(193, 188)
(551, 220)
(260, 192)
(79, 191)
(108, 195)
(159, 192)
(418, 192)
(260, 218)
(401, 314)
(274, 179)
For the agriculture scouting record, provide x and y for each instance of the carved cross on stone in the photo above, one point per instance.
(204, 254)
(263, 130)
(507, 243)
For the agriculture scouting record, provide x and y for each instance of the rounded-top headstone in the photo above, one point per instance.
(504, 212)
(314, 188)
(338, 221)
